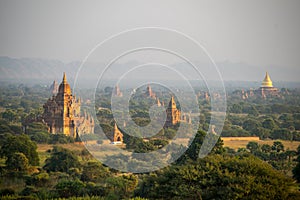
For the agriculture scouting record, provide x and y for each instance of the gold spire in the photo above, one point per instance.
(65, 78)
(267, 82)
(64, 87)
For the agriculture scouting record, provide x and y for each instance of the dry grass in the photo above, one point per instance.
(70, 146)
(235, 144)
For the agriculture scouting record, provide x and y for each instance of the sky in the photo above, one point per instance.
(258, 33)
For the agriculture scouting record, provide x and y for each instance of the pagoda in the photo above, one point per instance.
(267, 88)
(173, 114)
(116, 136)
(62, 113)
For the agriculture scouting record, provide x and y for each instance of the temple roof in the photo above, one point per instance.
(267, 82)
(64, 87)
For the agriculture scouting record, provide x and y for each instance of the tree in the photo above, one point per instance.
(277, 146)
(122, 186)
(266, 148)
(218, 177)
(269, 124)
(236, 108)
(251, 125)
(282, 133)
(61, 160)
(68, 188)
(20, 144)
(253, 147)
(192, 153)
(10, 115)
(94, 172)
(253, 111)
(17, 162)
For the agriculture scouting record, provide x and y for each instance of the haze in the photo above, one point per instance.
(261, 34)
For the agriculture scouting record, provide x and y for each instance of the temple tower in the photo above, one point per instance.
(267, 89)
(173, 114)
(62, 113)
(117, 136)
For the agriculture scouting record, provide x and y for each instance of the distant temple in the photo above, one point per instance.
(173, 114)
(54, 88)
(150, 93)
(62, 113)
(116, 137)
(267, 89)
(118, 92)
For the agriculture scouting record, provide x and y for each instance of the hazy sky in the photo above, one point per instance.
(256, 32)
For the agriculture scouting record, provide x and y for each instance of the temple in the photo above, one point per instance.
(54, 88)
(173, 114)
(62, 113)
(267, 89)
(116, 137)
(150, 93)
(117, 91)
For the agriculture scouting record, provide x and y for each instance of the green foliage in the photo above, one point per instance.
(39, 180)
(253, 111)
(281, 134)
(218, 177)
(122, 186)
(253, 147)
(278, 146)
(60, 139)
(68, 188)
(192, 153)
(266, 148)
(269, 124)
(20, 144)
(251, 125)
(94, 171)
(17, 162)
(61, 160)
(236, 108)
(10, 115)
(275, 155)
(138, 145)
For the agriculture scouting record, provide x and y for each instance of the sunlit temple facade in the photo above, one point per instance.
(62, 113)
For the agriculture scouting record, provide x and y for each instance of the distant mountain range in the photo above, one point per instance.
(44, 71)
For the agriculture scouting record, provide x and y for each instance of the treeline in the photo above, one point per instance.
(224, 174)
(285, 126)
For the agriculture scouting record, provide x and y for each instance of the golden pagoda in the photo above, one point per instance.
(267, 82)
(267, 89)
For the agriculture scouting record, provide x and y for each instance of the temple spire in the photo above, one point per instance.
(267, 82)
(65, 78)
(172, 103)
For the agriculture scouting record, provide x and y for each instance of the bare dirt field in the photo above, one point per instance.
(236, 144)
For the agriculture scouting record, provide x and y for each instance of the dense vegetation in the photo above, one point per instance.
(254, 172)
